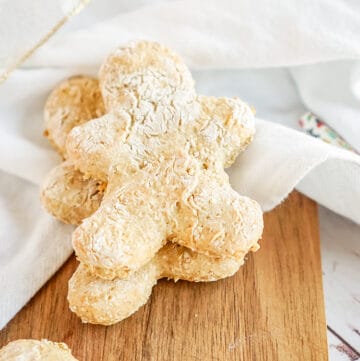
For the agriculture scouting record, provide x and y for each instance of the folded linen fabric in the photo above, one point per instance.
(285, 58)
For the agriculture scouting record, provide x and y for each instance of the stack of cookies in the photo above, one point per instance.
(143, 178)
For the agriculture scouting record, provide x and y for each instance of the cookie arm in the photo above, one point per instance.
(226, 128)
(74, 101)
(93, 146)
(70, 196)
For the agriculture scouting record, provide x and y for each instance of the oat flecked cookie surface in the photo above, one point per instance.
(73, 102)
(160, 150)
(106, 302)
(34, 350)
(67, 193)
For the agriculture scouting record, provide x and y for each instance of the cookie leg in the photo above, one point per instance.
(124, 234)
(224, 224)
(106, 302)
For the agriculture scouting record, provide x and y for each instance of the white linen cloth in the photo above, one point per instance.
(285, 58)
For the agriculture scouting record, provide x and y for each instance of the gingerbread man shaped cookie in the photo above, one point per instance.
(162, 149)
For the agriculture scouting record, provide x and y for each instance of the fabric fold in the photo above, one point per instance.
(327, 174)
(285, 58)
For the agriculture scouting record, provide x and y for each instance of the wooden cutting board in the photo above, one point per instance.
(272, 309)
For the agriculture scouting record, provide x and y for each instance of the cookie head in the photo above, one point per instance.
(144, 74)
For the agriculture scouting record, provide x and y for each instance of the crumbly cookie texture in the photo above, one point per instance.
(106, 302)
(34, 350)
(151, 169)
(69, 195)
(162, 149)
(73, 102)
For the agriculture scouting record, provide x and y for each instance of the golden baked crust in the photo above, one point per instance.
(73, 102)
(193, 208)
(106, 302)
(69, 195)
(34, 350)
(164, 206)
(162, 150)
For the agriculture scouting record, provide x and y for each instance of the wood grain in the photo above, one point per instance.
(272, 309)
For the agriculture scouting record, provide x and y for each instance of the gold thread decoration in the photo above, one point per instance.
(80, 6)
